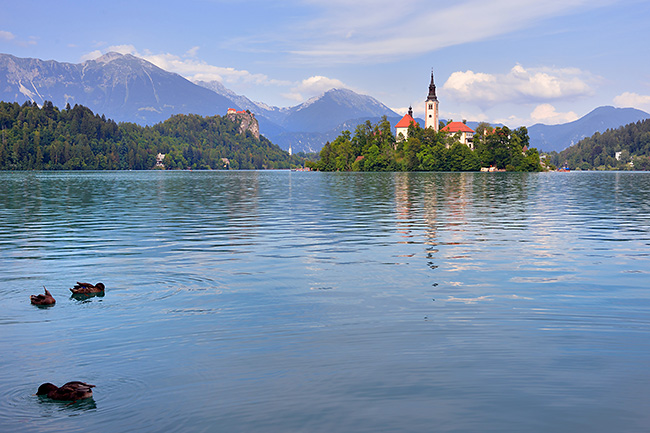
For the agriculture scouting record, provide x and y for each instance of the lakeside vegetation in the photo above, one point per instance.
(374, 148)
(631, 143)
(46, 138)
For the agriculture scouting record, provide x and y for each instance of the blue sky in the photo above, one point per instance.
(518, 62)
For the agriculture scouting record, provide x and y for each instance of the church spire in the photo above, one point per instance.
(431, 107)
(432, 90)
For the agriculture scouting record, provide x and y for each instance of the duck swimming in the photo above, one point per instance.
(71, 391)
(46, 299)
(87, 288)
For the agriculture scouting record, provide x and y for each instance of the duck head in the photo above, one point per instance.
(46, 388)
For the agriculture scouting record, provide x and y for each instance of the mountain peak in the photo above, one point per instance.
(109, 57)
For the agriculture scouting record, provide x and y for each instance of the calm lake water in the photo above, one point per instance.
(328, 302)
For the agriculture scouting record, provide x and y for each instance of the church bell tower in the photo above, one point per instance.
(431, 108)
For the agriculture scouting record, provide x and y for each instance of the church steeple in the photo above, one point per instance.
(431, 107)
(432, 90)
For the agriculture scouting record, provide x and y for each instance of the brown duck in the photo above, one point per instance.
(71, 391)
(87, 288)
(46, 299)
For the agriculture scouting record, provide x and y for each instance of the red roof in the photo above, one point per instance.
(454, 127)
(406, 122)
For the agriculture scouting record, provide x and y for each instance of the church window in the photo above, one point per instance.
(430, 106)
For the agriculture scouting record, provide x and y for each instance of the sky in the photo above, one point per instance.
(516, 62)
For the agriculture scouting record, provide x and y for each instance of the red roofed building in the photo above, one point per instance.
(466, 133)
(402, 126)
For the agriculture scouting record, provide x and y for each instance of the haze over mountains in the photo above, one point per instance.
(127, 88)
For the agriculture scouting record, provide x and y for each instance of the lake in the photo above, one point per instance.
(280, 301)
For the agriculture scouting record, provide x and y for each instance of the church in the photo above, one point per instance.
(431, 119)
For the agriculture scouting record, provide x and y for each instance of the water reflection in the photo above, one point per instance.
(225, 287)
(51, 407)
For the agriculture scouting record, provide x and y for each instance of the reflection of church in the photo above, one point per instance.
(431, 120)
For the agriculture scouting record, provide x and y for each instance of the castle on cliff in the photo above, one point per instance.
(247, 121)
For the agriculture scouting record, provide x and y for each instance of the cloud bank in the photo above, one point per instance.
(194, 69)
(519, 85)
(370, 30)
(190, 67)
(630, 99)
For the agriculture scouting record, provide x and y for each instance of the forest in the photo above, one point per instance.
(374, 148)
(624, 148)
(46, 138)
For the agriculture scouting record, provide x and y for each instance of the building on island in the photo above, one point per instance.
(466, 133)
(431, 120)
(430, 115)
(402, 126)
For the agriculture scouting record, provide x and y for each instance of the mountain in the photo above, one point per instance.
(120, 86)
(129, 89)
(307, 126)
(558, 137)
(335, 106)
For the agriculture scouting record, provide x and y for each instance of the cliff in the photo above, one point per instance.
(246, 120)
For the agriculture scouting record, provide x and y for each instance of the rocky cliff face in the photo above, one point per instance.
(247, 122)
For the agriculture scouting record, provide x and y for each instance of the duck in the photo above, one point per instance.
(71, 391)
(87, 288)
(46, 299)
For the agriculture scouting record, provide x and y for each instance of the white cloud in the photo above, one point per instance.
(10, 37)
(91, 55)
(7, 36)
(192, 52)
(546, 114)
(371, 30)
(629, 99)
(313, 86)
(123, 49)
(519, 85)
(191, 67)
(195, 69)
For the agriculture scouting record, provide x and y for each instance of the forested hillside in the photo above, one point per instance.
(600, 150)
(374, 148)
(46, 138)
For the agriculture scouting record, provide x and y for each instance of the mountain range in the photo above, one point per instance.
(130, 89)
(559, 137)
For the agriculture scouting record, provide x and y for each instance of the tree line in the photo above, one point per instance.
(375, 148)
(631, 143)
(46, 138)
